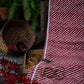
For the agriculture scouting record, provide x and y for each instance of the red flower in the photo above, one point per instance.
(2, 71)
(3, 61)
(12, 78)
(5, 75)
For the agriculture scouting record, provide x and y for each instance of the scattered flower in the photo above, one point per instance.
(13, 78)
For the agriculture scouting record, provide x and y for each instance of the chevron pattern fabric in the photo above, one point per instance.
(64, 44)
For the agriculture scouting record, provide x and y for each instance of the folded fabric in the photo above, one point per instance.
(64, 44)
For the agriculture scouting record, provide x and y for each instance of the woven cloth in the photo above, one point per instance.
(64, 43)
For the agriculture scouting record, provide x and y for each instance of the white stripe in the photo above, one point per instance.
(47, 31)
(35, 70)
(45, 45)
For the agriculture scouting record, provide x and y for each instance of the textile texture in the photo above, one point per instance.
(64, 44)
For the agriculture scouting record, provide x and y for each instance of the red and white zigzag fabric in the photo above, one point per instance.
(64, 43)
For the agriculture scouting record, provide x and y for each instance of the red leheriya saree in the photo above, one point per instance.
(64, 45)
